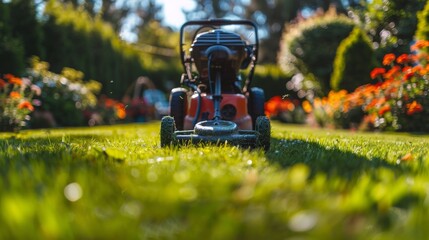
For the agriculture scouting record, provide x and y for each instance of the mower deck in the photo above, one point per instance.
(242, 138)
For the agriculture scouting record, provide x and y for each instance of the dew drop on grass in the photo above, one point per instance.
(73, 192)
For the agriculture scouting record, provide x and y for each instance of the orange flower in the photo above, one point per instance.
(420, 44)
(120, 110)
(377, 72)
(26, 105)
(306, 105)
(15, 80)
(384, 109)
(15, 95)
(414, 107)
(419, 70)
(388, 59)
(402, 59)
(392, 72)
(121, 113)
(407, 157)
(287, 105)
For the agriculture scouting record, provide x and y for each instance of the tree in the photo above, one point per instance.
(391, 24)
(26, 27)
(273, 15)
(113, 14)
(110, 11)
(11, 49)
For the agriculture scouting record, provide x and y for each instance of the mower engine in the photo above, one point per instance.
(219, 50)
(220, 109)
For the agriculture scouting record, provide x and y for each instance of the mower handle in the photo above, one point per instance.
(218, 22)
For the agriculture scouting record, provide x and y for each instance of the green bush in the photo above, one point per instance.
(353, 62)
(308, 47)
(422, 32)
(271, 79)
(64, 95)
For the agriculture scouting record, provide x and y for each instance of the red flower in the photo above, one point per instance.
(384, 109)
(414, 107)
(8, 76)
(388, 59)
(271, 107)
(408, 75)
(402, 59)
(26, 105)
(2, 83)
(377, 72)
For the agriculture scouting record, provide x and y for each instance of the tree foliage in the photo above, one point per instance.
(12, 51)
(76, 40)
(422, 32)
(391, 25)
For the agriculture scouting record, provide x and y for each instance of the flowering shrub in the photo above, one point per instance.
(398, 101)
(64, 95)
(16, 102)
(285, 110)
(107, 111)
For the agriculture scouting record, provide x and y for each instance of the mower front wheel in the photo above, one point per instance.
(167, 131)
(178, 106)
(263, 128)
(255, 104)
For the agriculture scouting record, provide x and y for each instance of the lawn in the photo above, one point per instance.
(115, 182)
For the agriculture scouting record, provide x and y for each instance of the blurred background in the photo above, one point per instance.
(86, 56)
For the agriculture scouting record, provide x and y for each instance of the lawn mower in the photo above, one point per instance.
(214, 105)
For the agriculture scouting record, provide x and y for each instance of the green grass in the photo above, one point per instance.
(116, 182)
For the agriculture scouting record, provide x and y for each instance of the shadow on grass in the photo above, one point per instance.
(328, 160)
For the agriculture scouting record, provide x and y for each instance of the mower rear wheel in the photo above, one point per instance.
(263, 128)
(178, 106)
(255, 104)
(167, 131)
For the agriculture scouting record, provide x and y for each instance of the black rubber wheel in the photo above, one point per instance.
(178, 106)
(263, 128)
(255, 104)
(167, 131)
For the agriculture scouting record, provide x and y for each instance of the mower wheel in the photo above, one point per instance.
(255, 104)
(263, 128)
(178, 106)
(167, 131)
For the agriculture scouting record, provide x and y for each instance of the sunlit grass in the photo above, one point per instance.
(116, 182)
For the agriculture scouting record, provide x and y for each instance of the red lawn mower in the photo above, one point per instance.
(214, 105)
